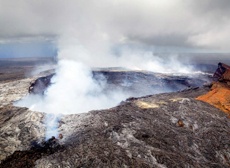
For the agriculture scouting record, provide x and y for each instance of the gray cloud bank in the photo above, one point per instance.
(100, 24)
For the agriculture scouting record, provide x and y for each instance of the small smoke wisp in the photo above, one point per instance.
(41, 69)
(51, 121)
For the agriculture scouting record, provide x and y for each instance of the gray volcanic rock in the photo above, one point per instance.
(165, 130)
(13, 90)
(18, 128)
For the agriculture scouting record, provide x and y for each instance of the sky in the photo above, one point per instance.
(39, 27)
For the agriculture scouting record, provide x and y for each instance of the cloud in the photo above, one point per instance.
(211, 7)
(102, 24)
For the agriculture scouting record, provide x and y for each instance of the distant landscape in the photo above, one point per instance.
(19, 68)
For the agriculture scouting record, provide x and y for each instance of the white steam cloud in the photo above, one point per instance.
(73, 90)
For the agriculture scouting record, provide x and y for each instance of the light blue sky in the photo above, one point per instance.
(27, 49)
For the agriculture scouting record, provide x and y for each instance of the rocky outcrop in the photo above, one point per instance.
(18, 128)
(13, 90)
(218, 96)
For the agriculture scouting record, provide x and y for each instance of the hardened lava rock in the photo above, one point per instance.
(28, 158)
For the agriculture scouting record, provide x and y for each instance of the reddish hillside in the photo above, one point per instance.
(218, 96)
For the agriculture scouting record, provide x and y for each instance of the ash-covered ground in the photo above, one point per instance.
(162, 130)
